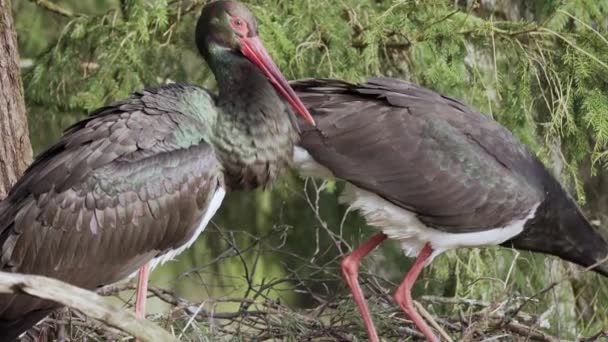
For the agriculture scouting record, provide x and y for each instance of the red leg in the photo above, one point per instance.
(350, 267)
(142, 291)
(403, 295)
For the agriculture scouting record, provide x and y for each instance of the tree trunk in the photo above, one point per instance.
(15, 147)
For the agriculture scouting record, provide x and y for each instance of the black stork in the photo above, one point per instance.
(138, 181)
(435, 175)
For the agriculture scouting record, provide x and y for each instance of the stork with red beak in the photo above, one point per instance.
(434, 175)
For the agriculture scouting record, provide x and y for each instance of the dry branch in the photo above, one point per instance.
(92, 304)
(54, 8)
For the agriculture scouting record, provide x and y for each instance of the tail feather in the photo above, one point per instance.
(561, 229)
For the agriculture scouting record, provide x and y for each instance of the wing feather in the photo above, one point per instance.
(457, 169)
(121, 187)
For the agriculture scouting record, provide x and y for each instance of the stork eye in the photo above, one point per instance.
(239, 25)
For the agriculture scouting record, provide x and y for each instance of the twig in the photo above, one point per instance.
(554, 284)
(595, 337)
(432, 321)
(454, 301)
(529, 332)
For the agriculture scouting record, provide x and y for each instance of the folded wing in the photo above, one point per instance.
(458, 170)
(129, 184)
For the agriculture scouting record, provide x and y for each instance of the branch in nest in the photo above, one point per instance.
(91, 304)
(524, 330)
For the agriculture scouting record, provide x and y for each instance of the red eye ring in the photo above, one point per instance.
(239, 25)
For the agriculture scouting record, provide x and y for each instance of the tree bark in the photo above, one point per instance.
(15, 147)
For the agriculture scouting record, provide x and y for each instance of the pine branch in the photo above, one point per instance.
(128, 7)
(178, 12)
(54, 8)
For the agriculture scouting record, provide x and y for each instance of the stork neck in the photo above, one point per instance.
(254, 136)
(242, 85)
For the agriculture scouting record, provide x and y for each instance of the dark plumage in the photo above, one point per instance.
(458, 170)
(450, 168)
(120, 188)
(138, 180)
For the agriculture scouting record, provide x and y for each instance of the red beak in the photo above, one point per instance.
(253, 49)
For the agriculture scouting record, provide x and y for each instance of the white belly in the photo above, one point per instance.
(402, 225)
